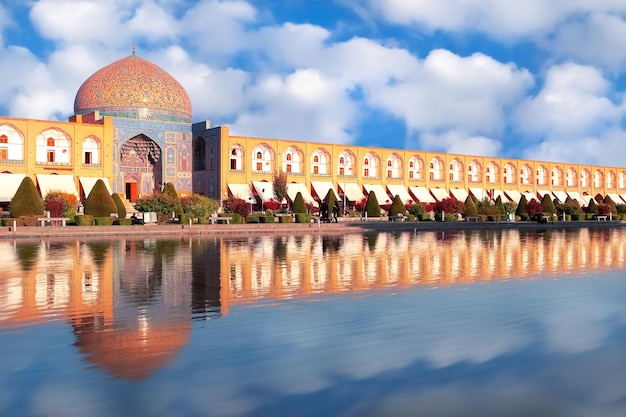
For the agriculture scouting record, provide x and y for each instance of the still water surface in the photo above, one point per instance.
(485, 323)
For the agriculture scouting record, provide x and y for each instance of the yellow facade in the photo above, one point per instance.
(76, 131)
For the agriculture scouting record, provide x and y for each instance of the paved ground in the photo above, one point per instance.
(280, 228)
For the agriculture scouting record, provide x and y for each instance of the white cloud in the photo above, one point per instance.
(450, 92)
(458, 142)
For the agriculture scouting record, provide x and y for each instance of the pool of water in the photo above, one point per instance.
(483, 323)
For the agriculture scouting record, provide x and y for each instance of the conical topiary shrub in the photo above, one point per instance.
(298, 205)
(500, 206)
(522, 209)
(592, 208)
(121, 208)
(397, 207)
(548, 204)
(170, 193)
(372, 209)
(99, 203)
(330, 200)
(470, 207)
(26, 201)
(609, 201)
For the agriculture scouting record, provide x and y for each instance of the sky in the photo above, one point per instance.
(538, 79)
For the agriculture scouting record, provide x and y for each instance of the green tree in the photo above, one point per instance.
(298, 205)
(279, 185)
(99, 203)
(500, 206)
(26, 201)
(397, 207)
(609, 201)
(199, 206)
(121, 207)
(372, 209)
(329, 200)
(547, 204)
(592, 207)
(470, 207)
(522, 208)
(170, 193)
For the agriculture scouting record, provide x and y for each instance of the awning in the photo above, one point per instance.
(381, 194)
(513, 195)
(575, 195)
(542, 193)
(561, 195)
(321, 188)
(397, 189)
(439, 193)
(52, 182)
(459, 193)
(353, 191)
(479, 193)
(422, 194)
(294, 188)
(616, 198)
(502, 195)
(623, 197)
(89, 182)
(529, 196)
(264, 189)
(9, 183)
(243, 192)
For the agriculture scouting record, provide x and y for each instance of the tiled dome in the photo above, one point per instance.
(136, 89)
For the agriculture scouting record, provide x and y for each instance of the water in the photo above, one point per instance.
(490, 323)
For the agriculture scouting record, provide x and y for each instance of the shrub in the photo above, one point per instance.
(199, 206)
(237, 206)
(252, 219)
(397, 207)
(609, 201)
(417, 209)
(266, 219)
(119, 203)
(29, 220)
(604, 209)
(284, 218)
(372, 209)
(621, 208)
(522, 209)
(99, 203)
(103, 221)
(360, 205)
(123, 222)
(26, 200)
(470, 207)
(449, 205)
(169, 191)
(499, 206)
(298, 205)
(272, 204)
(578, 216)
(84, 220)
(330, 200)
(547, 205)
(235, 217)
(410, 218)
(534, 207)
(185, 218)
(303, 217)
(592, 208)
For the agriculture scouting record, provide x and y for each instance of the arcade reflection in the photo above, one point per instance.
(131, 303)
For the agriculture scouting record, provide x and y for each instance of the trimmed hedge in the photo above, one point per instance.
(123, 222)
(121, 208)
(253, 219)
(266, 219)
(285, 218)
(103, 221)
(184, 218)
(27, 200)
(303, 217)
(100, 203)
(84, 220)
(235, 218)
(8, 222)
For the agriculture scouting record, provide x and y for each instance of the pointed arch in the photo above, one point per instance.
(585, 178)
(509, 173)
(346, 163)
(236, 157)
(474, 171)
(199, 154)
(320, 162)
(542, 175)
(11, 143)
(526, 175)
(456, 170)
(394, 166)
(557, 176)
(92, 151)
(53, 146)
(610, 180)
(263, 158)
(492, 173)
(416, 168)
(598, 179)
(371, 165)
(293, 160)
(435, 169)
(571, 177)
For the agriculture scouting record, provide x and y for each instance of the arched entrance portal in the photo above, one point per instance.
(140, 166)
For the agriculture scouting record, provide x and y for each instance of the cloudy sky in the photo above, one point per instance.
(538, 79)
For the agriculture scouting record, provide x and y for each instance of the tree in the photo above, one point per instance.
(26, 201)
(99, 203)
(61, 204)
(298, 205)
(500, 206)
(470, 207)
(397, 207)
(199, 206)
(522, 209)
(237, 205)
(169, 192)
(609, 201)
(330, 199)
(449, 205)
(280, 185)
(592, 207)
(372, 209)
(547, 205)
(121, 207)
(534, 207)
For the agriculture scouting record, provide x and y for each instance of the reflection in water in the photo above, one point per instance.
(131, 302)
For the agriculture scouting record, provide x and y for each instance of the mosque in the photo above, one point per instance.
(132, 126)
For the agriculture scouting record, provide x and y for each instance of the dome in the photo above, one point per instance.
(134, 88)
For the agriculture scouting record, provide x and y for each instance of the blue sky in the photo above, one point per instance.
(540, 79)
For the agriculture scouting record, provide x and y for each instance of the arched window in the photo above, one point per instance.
(436, 169)
(53, 146)
(598, 179)
(91, 151)
(509, 172)
(293, 160)
(11, 143)
(557, 177)
(584, 178)
(572, 177)
(474, 171)
(321, 164)
(526, 175)
(610, 180)
(394, 166)
(199, 154)
(416, 168)
(622, 180)
(264, 158)
(492, 173)
(542, 174)
(347, 163)
(456, 170)
(371, 165)
(236, 157)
